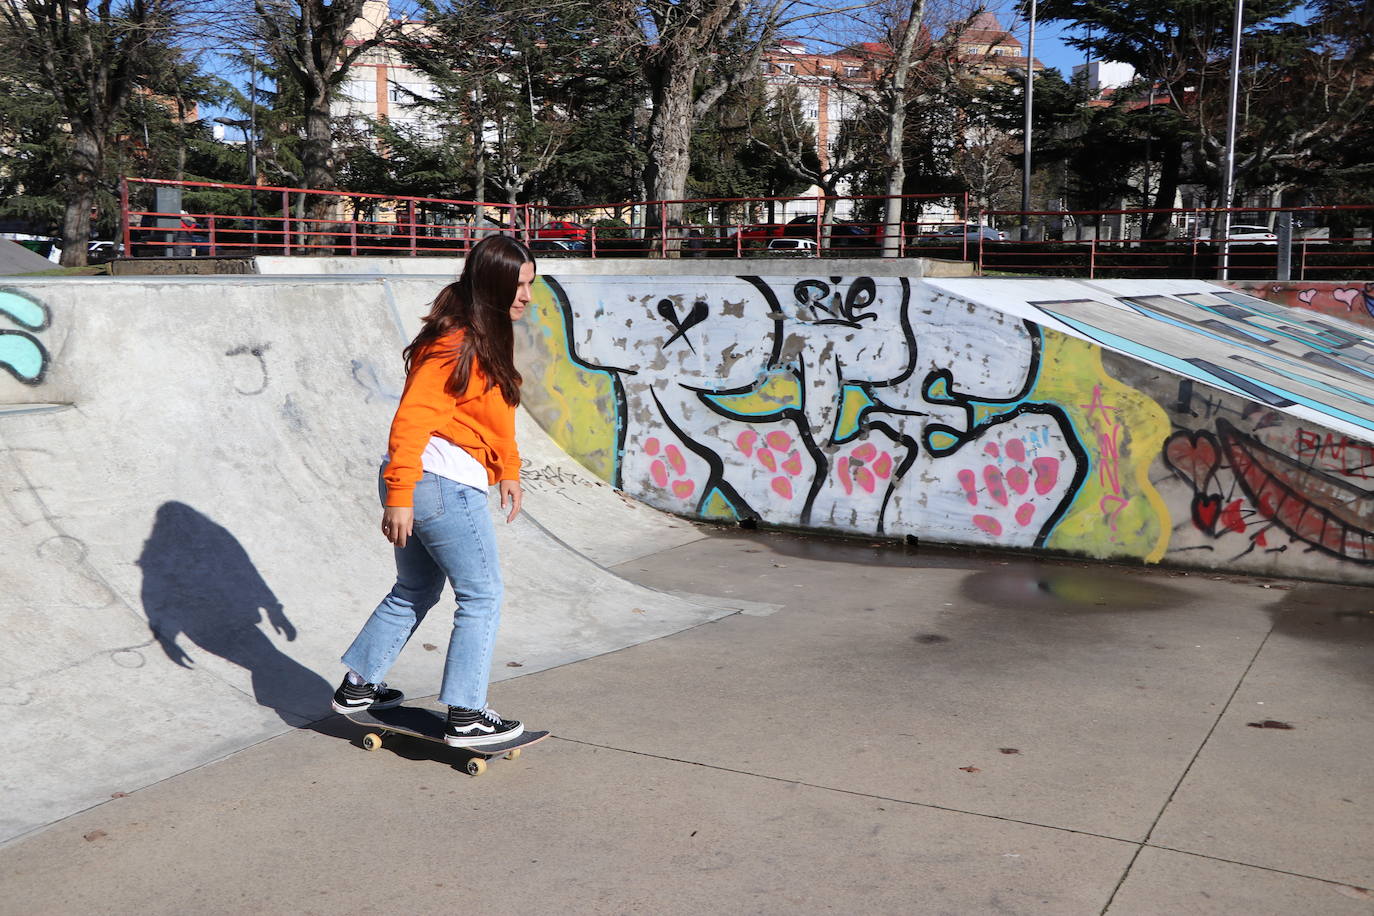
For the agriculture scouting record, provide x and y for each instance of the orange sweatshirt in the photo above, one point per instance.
(480, 422)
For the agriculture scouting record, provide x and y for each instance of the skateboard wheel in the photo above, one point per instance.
(372, 741)
(514, 755)
(476, 766)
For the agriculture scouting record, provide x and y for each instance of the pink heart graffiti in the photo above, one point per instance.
(1348, 296)
(1007, 490)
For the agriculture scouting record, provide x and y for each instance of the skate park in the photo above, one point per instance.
(872, 588)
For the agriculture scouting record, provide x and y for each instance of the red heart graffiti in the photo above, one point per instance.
(1193, 455)
(1206, 511)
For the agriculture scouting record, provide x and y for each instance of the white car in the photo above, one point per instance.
(793, 246)
(1246, 235)
(968, 233)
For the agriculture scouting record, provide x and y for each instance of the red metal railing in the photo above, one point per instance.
(150, 232)
(1087, 243)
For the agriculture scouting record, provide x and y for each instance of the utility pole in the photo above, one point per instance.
(1026, 153)
(1229, 168)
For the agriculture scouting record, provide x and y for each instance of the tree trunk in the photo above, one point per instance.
(1170, 168)
(896, 147)
(87, 154)
(479, 151)
(670, 136)
(317, 156)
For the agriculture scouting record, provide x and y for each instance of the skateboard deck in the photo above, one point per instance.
(428, 725)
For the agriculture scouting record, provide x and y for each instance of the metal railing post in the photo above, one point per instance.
(124, 232)
(820, 218)
(1283, 269)
(286, 221)
(212, 235)
(410, 216)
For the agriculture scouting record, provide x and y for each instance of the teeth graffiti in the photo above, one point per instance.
(1311, 506)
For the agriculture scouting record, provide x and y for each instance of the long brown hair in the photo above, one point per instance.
(478, 303)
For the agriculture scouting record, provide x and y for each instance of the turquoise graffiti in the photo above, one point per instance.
(22, 355)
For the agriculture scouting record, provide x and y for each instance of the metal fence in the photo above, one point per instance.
(192, 219)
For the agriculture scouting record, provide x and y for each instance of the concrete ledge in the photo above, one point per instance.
(162, 267)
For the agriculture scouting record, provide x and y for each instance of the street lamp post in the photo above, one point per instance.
(248, 128)
(1229, 168)
(1026, 153)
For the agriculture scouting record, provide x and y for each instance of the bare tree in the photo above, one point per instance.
(895, 96)
(316, 42)
(691, 53)
(826, 165)
(903, 67)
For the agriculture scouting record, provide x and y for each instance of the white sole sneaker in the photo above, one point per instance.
(483, 740)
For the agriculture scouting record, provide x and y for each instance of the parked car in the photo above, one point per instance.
(1245, 235)
(558, 245)
(842, 233)
(101, 252)
(967, 233)
(561, 229)
(801, 247)
(758, 232)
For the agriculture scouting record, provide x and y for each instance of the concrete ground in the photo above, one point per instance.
(912, 731)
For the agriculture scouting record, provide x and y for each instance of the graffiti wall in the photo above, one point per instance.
(1352, 302)
(22, 354)
(1148, 421)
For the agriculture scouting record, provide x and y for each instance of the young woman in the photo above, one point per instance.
(452, 437)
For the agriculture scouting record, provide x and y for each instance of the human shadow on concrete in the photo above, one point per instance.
(200, 585)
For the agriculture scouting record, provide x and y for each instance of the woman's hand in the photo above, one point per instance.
(397, 522)
(510, 489)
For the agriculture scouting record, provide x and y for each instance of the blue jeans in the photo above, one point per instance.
(453, 538)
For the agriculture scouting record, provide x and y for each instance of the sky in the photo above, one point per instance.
(1050, 48)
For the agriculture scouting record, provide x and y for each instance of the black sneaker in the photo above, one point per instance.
(474, 728)
(357, 697)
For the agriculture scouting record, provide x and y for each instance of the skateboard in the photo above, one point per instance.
(428, 724)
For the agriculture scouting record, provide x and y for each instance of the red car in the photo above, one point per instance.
(761, 232)
(561, 229)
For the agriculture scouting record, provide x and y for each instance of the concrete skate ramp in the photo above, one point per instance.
(190, 515)
(16, 259)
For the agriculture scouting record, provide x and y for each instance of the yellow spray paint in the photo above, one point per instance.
(1117, 510)
(576, 406)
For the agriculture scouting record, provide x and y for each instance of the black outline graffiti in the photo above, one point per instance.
(715, 479)
(862, 292)
(256, 350)
(668, 311)
(44, 358)
(1267, 492)
(974, 430)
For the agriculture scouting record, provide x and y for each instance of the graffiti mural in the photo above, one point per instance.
(1352, 302)
(22, 354)
(892, 406)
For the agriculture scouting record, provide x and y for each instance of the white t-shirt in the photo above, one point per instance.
(445, 459)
